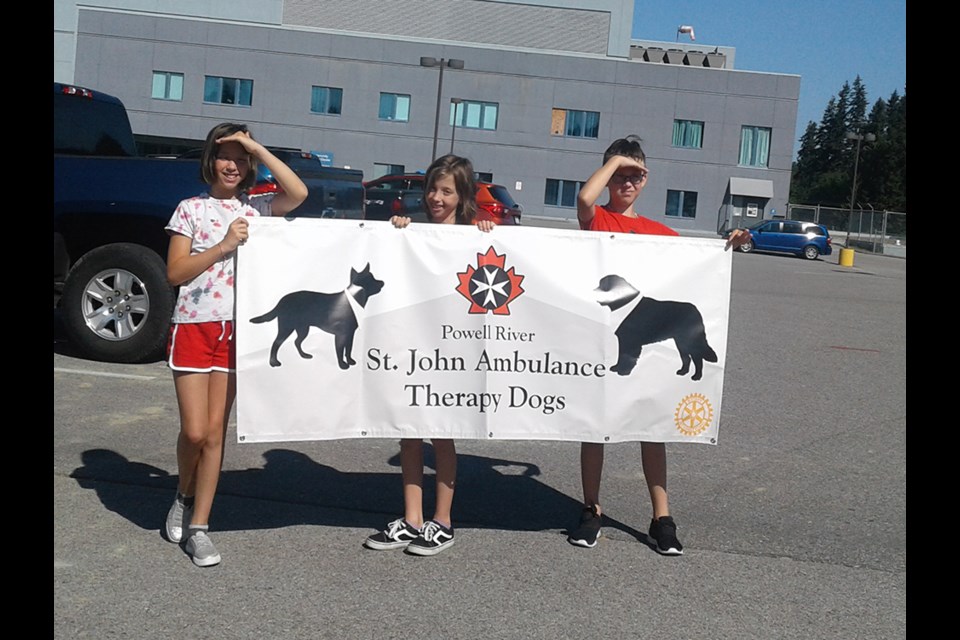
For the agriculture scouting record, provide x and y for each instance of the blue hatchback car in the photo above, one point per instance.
(805, 239)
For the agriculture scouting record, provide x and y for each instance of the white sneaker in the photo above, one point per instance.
(200, 547)
(178, 518)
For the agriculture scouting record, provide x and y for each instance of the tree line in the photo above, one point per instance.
(824, 168)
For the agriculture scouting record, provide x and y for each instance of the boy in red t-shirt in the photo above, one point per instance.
(624, 174)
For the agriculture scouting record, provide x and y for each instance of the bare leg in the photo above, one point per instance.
(654, 457)
(411, 468)
(205, 400)
(446, 458)
(591, 470)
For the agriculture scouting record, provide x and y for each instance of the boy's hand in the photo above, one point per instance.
(486, 225)
(736, 238)
(623, 162)
(400, 222)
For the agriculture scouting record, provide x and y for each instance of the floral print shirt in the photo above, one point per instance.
(204, 219)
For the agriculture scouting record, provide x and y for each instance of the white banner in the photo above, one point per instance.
(349, 329)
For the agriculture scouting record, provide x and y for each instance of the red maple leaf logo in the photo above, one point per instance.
(489, 287)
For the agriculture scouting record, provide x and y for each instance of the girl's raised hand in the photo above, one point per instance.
(400, 222)
(243, 138)
(486, 225)
(237, 234)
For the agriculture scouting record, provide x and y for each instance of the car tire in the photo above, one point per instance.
(810, 252)
(747, 246)
(133, 331)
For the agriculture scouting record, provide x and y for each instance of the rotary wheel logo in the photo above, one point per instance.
(693, 415)
(489, 287)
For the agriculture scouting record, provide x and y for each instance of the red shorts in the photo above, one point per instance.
(202, 347)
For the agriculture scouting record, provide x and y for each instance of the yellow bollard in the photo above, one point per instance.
(846, 257)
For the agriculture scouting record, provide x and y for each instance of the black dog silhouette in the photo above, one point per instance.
(331, 312)
(653, 321)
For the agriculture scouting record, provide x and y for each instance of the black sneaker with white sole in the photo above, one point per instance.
(397, 535)
(433, 538)
(588, 531)
(663, 534)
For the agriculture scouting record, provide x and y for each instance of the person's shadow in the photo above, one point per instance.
(292, 489)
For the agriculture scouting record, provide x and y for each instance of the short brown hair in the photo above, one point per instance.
(462, 171)
(629, 147)
(208, 159)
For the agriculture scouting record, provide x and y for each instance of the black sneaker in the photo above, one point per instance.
(433, 538)
(397, 535)
(663, 532)
(588, 531)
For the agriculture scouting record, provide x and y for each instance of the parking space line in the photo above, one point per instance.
(105, 374)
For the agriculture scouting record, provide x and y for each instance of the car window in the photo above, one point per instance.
(792, 227)
(386, 184)
(502, 195)
(770, 227)
(814, 229)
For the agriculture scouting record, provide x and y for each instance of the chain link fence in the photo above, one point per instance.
(862, 229)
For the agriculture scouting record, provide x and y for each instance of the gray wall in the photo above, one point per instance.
(117, 53)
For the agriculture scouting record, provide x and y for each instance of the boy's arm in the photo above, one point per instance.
(592, 189)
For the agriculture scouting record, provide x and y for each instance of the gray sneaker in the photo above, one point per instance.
(178, 518)
(200, 547)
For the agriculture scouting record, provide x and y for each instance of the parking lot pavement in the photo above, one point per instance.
(793, 525)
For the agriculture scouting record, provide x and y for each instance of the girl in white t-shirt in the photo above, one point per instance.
(204, 234)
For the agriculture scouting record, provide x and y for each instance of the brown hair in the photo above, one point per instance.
(461, 169)
(629, 147)
(208, 159)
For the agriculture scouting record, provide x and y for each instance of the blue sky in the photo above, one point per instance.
(825, 43)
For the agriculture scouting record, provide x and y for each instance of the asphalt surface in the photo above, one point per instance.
(794, 526)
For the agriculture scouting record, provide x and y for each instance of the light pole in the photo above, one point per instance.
(453, 63)
(453, 132)
(859, 137)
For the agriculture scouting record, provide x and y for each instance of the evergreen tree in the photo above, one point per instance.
(823, 172)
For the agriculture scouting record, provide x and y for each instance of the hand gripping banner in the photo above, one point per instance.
(353, 329)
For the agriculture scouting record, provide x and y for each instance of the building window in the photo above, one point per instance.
(474, 115)
(394, 106)
(561, 193)
(687, 134)
(228, 90)
(381, 169)
(326, 100)
(754, 146)
(681, 204)
(167, 86)
(483, 176)
(575, 124)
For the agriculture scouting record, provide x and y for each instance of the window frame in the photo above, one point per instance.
(395, 102)
(238, 89)
(754, 152)
(681, 205)
(560, 191)
(680, 136)
(560, 123)
(167, 77)
(461, 109)
(327, 93)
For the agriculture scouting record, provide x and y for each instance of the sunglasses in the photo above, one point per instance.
(633, 179)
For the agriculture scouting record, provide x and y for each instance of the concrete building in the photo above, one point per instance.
(544, 87)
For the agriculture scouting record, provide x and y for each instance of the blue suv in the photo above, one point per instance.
(805, 239)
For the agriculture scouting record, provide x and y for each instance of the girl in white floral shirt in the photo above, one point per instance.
(204, 234)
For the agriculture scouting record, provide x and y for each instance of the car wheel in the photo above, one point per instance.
(747, 246)
(116, 304)
(810, 252)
